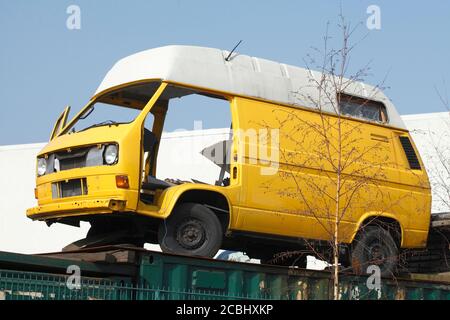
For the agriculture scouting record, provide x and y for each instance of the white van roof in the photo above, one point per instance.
(241, 75)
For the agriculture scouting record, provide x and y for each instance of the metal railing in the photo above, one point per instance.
(18, 285)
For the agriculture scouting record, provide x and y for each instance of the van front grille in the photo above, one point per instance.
(74, 159)
(69, 188)
(72, 163)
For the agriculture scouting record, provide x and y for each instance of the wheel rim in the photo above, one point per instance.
(191, 234)
(377, 253)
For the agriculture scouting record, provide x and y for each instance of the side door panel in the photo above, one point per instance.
(297, 198)
(272, 174)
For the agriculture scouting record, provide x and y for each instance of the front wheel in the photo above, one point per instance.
(192, 229)
(375, 246)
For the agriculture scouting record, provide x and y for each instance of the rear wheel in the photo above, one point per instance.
(375, 246)
(192, 229)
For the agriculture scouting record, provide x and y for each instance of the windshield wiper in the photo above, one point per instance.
(100, 124)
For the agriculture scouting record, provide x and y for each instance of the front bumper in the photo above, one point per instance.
(76, 208)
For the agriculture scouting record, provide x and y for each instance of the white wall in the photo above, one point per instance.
(431, 134)
(179, 157)
(17, 232)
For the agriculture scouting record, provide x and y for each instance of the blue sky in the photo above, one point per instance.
(45, 66)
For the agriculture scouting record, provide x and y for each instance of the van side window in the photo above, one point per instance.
(362, 108)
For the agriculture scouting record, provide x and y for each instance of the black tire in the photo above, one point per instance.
(375, 246)
(191, 229)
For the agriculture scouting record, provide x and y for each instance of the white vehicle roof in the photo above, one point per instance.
(241, 75)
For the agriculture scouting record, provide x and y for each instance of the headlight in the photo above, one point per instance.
(41, 167)
(110, 154)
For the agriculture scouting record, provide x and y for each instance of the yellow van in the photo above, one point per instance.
(104, 171)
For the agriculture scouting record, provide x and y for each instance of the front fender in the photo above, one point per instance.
(170, 196)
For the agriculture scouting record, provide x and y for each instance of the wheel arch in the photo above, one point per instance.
(215, 200)
(387, 221)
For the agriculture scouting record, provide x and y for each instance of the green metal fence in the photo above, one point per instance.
(147, 275)
(19, 285)
(15, 285)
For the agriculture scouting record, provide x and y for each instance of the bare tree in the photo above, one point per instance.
(346, 167)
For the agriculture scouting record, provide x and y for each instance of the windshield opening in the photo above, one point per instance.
(118, 107)
(102, 114)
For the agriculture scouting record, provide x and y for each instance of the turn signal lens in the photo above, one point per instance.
(122, 182)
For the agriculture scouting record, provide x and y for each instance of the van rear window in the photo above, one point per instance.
(362, 108)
